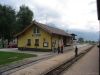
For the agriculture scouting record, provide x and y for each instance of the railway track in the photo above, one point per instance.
(9, 69)
(66, 65)
(57, 70)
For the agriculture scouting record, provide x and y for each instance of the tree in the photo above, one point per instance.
(24, 17)
(80, 40)
(7, 22)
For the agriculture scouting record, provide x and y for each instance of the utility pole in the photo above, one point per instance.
(98, 11)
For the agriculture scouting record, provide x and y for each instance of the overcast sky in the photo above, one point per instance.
(65, 14)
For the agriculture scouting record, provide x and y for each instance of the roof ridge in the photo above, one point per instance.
(46, 27)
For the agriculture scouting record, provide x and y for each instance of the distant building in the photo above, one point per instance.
(38, 36)
(73, 35)
(74, 38)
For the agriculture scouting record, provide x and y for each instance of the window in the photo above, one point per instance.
(55, 41)
(36, 42)
(53, 44)
(36, 30)
(28, 42)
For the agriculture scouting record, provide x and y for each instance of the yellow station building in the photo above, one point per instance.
(41, 37)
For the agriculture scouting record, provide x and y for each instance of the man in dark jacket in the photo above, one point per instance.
(76, 51)
(62, 49)
(58, 49)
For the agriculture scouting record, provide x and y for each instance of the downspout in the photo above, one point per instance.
(51, 42)
(17, 41)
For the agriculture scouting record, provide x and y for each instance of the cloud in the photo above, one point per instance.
(46, 14)
(65, 14)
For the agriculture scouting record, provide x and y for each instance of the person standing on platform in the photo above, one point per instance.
(76, 51)
(62, 49)
(58, 49)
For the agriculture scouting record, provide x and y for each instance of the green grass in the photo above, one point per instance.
(8, 57)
